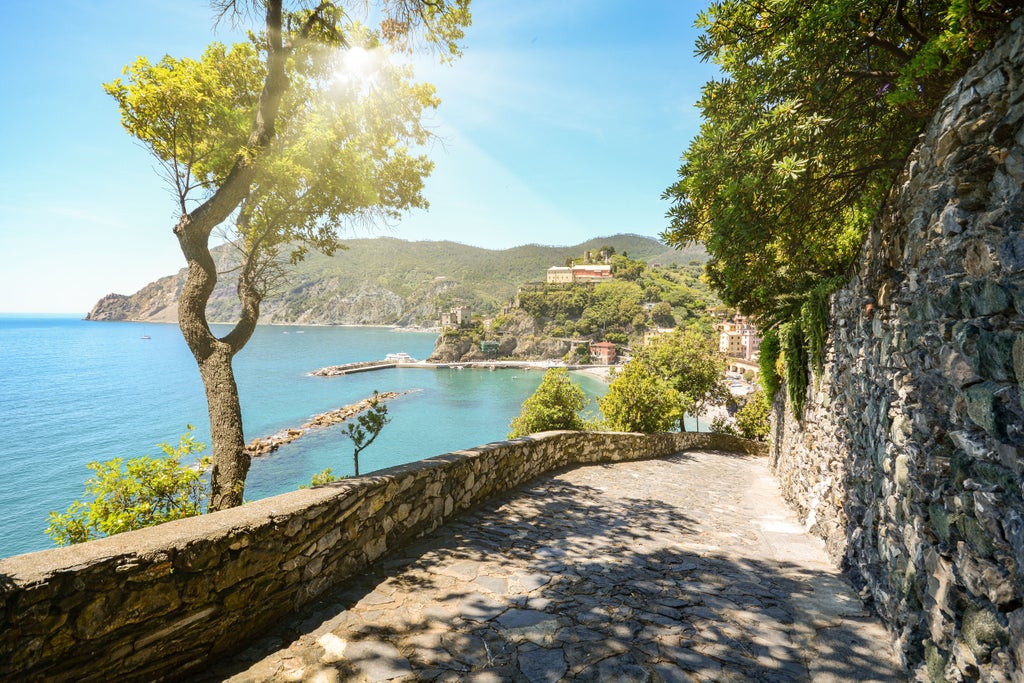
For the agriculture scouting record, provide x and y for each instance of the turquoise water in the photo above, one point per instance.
(73, 391)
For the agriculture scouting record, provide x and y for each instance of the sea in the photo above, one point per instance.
(74, 391)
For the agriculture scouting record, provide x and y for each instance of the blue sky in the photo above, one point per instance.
(563, 121)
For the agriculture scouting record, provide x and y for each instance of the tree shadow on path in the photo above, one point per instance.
(581, 575)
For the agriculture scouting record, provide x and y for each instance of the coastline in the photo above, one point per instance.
(392, 327)
(601, 373)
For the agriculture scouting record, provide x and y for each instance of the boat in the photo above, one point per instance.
(146, 336)
(401, 357)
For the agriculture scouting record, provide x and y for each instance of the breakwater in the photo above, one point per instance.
(268, 444)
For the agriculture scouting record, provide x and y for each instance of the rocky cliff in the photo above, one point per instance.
(909, 457)
(381, 281)
(518, 337)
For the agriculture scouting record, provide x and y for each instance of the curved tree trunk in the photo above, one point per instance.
(213, 355)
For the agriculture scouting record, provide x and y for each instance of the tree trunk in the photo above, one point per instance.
(214, 356)
(230, 462)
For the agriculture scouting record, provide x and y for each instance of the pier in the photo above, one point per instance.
(367, 366)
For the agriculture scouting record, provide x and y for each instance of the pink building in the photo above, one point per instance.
(738, 338)
(603, 353)
(591, 273)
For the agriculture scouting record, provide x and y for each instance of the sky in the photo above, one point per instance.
(564, 120)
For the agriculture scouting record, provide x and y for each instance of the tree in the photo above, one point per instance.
(638, 400)
(141, 492)
(366, 428)
(818, 106)
(752, 418)
(661, 314)
(688, 362)
(626, 268)
(279, 141)
(555, 404)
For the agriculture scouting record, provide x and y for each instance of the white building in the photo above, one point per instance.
(559, 275)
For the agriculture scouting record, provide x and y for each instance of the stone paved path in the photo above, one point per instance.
(688, 568)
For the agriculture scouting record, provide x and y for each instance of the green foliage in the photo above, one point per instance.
(690, 364)
(770, 352)
(341, 151)
(626, 268)
(815, 112)
(322, 477)
(794, 356)
(661, 315)
(192, 112)
(638, 400)
(752, 418)
(555, 404)
(141, 492)
(721, 425)
(814, 318)
(366, 427)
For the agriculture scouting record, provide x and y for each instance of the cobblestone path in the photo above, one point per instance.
(688, 568)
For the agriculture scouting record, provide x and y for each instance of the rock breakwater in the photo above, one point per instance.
(268, 444)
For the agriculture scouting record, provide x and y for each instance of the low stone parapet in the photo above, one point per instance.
(159, 602)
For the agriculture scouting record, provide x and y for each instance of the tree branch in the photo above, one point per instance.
(918, 36)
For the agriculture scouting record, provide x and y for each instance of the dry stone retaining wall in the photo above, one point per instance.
(155, 603)
(909, 459)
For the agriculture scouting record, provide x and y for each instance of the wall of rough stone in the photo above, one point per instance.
(909, 459)
(155, 603)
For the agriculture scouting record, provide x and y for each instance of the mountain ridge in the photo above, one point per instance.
(384, 281)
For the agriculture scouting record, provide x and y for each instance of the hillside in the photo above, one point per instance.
(557, 320)
(385, 281)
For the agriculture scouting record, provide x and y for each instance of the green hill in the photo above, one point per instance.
(387, 281)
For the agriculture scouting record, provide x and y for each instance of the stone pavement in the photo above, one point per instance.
(687, 568)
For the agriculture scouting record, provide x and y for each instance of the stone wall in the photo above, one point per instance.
(908, 459)
(156, 603)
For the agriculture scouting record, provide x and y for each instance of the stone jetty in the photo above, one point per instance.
(269, 444)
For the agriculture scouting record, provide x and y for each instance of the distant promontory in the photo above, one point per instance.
(383, 281)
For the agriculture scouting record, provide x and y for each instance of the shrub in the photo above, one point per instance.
(144, 491)
(554, 405)
(752, 419)
(638, 400)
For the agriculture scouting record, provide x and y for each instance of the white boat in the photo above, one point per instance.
(401, 357)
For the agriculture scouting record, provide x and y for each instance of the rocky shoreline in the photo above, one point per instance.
(265, 445)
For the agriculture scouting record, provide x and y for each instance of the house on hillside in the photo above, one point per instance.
(738, 338)
(591, 273)
(603, 353)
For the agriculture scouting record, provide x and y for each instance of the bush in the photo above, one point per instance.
(721, 425)
(147, 491)
(752, 419)
(639, 401)
(554, 405)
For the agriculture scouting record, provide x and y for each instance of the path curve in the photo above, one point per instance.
(687, 568)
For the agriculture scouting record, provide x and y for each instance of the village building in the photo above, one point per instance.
(603, 353)
(738, 338)
(457, 316)
(559, 275)
(591, 273)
